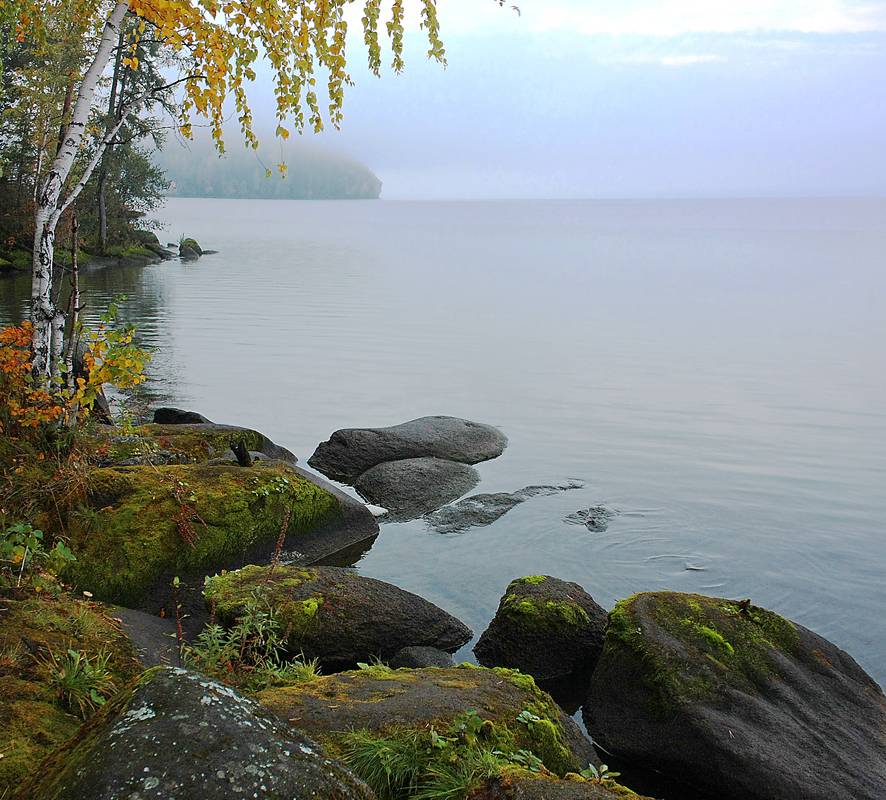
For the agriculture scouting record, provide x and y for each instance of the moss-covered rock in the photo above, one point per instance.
(546, 627)
(336, 615)
(189, 250)
(177, 735)
(35, 716)
(736, 701)
(516, 783)
(140, 526)
(385, 701)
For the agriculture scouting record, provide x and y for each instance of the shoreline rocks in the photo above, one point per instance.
(736, 701)
(545, 627)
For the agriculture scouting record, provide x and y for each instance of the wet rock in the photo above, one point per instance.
(413, 486)
(189, 250)
(545, 627)
(336, 615)
(736, 701)
(417, 657)
(383, 700)
(480, 510)
(594, 519)
(350, 452)
(176, 416)
(177, 735)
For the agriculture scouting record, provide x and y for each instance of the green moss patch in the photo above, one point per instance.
(691, 646)
(141, 523)
(34, 628)
(539, 612)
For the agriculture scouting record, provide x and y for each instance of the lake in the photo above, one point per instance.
(715, 371)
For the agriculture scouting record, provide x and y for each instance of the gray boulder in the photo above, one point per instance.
(336, 615)
(176, 735)
(350, 452)
(414, 486)
(176, 416)
(419, 657)
(736, 701)
(545, 627)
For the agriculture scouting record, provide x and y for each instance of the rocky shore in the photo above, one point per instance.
(200, 646)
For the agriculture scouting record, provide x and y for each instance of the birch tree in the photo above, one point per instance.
(220, 42)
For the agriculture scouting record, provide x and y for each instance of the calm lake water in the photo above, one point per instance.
(714, 370)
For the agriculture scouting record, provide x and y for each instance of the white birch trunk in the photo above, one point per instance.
(49, 321)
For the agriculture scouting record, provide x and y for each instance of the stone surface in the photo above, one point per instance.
(177, 736)
(417, 657)
(480, 510)
(737, 702)
(595, 519)
(336, 615)
(350, 452)
(545, 627)
(519, 784)
(176, 416)
(414, 486)
(384, 700)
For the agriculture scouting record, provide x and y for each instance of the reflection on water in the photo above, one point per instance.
(714, 371)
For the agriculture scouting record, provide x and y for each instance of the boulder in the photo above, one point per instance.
(736, 701)
(177, 735)
(414, 486)
(37, 631)
(383, 701)
(187, 253)
(350, 452)
(336, 615)
(520, 784)
(480, 510)
(175, 416)
(545, 627)
(189, 249)
(595, 519)
(417, 657)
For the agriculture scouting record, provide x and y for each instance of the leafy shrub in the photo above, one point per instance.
(82, 684)
(23, 555)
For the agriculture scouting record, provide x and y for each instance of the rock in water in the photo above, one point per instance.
(177, 735)
(736, 701)
(352, 451)
(335, 615)
(416, 657)
(594, 519)
(544, 627)
(175, 416)
(414, 486)
(383, 701)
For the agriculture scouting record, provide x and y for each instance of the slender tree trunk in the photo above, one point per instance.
(66, 110)
(74, 311)
(48, 320)
(103, 171)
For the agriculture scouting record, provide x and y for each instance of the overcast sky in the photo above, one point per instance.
(631, 98)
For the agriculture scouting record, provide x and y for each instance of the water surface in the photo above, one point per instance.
(714, 370)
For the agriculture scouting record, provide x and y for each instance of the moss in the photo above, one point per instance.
(532, 580)
(33, 720)
(722, 643)
(190, 244)
(544, 613)
(129, 532)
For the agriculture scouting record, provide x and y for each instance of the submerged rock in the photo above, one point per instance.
(336, 615)
(177, 735)
(480, 510)
(594, 519)
(350, 452)
(417, 657)
(545, 627)
(382, 701)
(736, 701)
(411, 487)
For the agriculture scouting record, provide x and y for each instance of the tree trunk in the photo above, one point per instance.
(49, 321)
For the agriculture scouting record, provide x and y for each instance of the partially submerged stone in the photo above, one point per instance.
(176, 416)
(37, 629)
(350, 452)
(414, 486)
(545, 627)
(736, 701)
(595, 518)
(385, 701)
(177, 735)
(336, 615)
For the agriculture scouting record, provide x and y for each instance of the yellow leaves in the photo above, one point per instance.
(282, 132)
(131, 62)
(282, 169)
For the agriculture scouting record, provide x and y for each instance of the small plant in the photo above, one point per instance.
(82, 684)
(278, 485)
(527, 718)
(523, 758)
(23, 554)
(599, 774)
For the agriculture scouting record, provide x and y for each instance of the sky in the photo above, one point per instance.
(629, 98)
